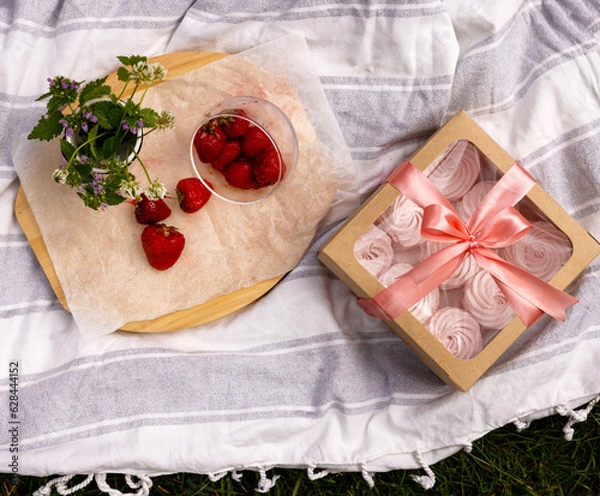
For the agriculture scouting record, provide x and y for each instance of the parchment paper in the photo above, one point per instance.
(98, 255)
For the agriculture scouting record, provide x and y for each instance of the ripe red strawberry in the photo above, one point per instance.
(151, 211)
(255, 141)
(209, 140)
(234, 127)
(192, 194)
(266, 167)
(239, 175)
(228, 154)
(162, 245)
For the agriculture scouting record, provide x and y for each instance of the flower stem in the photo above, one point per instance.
(143, 167)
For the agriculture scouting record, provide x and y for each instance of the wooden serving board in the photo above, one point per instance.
(177, 64)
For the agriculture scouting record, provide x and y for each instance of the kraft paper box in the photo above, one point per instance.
(575, 249)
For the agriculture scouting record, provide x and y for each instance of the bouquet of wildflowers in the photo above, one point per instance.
(101, 133)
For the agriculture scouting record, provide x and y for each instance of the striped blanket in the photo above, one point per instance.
(302, 377)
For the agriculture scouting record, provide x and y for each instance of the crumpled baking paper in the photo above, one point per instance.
(98, 256)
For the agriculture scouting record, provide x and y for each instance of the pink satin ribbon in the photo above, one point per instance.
(494, 224)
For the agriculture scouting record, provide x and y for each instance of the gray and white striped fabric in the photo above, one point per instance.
(302, 378)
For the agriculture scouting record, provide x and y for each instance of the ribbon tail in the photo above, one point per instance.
(527, 294)
(526, 311)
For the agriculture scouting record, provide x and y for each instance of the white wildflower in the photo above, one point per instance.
(142, 72)
(60, 176)
(166, 120)
(130, 189)
(156, 190)
(159, 72)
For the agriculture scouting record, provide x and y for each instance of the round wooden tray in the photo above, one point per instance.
(177, 64)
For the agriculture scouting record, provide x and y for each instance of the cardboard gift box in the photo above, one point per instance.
(485, 288)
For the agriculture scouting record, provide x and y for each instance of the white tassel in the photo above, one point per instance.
(143, 485)
(468, 447)
(265, 484)
(142, 481)
(312, 475)
(575, 416)
(368, 477)
(426, 481)
(521, 425)
(61, 485)
(214, 477)
(237, 476)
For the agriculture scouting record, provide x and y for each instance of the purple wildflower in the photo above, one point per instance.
(63, 83)
(90, 117)
(69, 132)
(103, 206)
(83, 159)
(84, 126)
(63, 122)
(124, 125)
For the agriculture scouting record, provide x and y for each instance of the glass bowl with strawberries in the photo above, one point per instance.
(243, 149)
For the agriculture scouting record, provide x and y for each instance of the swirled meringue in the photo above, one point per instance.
(458, 331)
(465, 271)
(542, 251)
(402, 222)
(456, 170)
(484, 300)
(424, 308)
(373, 250)
(467, 205)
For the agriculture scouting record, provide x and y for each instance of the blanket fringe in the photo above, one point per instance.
(214, 477)
(368, 477)
(143, 485)
(265, 484)
(426, 481)
(313, 476)
(236, 476)
(60, 484)
(575, 416)
(521, 425)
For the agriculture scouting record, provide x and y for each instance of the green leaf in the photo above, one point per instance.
(131, 60)
(43, 97)
(57, 103)
(94, 89)
(114, 198)
(67, 149)
(114, 180)
(110, 146)
(48, 127)
(109, 114)
(123, 74)
(85, 171)
(149, 117)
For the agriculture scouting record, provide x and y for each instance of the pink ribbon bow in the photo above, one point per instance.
(494, 224)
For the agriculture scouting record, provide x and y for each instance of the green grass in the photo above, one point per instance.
(535, 461)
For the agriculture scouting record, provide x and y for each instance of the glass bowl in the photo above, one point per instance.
(264, 157)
